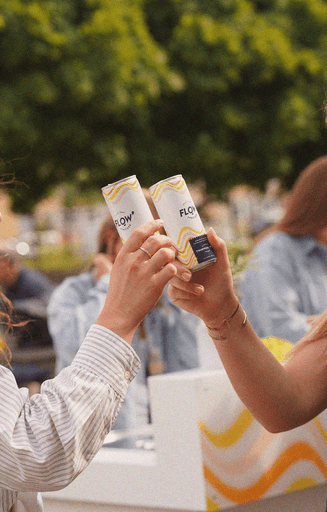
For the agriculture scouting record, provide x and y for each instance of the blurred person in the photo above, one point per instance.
(29, 291)
(285, 285)
(270, 207)
(244, 203)
(48, 439)
(218, 215)
(165, 341)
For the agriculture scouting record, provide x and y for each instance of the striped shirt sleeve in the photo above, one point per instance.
(46, 441)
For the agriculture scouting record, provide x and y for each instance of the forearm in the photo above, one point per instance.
(49, 440)
(261, 382)
(281, 397)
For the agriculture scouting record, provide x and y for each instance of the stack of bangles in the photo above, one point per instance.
(214, 331)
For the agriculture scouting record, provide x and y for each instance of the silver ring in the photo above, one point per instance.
(146, 252)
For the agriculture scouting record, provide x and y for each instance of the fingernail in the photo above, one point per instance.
(198, 289)
(186, 276)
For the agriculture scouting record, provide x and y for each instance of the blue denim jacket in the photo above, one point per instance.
(166, 341)
(286, 281)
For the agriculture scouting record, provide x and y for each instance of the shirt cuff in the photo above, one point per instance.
(107, 355)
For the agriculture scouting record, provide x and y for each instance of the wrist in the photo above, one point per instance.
(221, 313)
(236, 320)
(118, 326)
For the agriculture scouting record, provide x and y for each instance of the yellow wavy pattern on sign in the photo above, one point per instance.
(297, 452)
(302, 483)
(116, 189)
(211, 505)
(232, 434)
(162, 187)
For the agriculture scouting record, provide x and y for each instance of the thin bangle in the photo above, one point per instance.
(215, 330)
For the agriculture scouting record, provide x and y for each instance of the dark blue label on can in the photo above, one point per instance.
(202, 249)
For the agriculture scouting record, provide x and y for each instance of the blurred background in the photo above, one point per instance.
(229, 93)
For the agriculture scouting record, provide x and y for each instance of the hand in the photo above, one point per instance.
(137, 281)
(210, 293)
(101, 265)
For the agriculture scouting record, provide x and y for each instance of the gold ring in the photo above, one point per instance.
(146, 252)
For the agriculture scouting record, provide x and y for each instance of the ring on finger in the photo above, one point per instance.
(146, 252)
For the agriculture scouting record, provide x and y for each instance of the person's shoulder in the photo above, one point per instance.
(276, 241)
(34, 275)
(84, 280)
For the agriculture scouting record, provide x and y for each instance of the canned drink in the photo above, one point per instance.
(127, 205)
(182, 222)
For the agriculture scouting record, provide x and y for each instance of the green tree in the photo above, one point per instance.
(93, 90)
(75, 77)
(254, 75)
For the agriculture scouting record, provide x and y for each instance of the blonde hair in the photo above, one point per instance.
(317, 332)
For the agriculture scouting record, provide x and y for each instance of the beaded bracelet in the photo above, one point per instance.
(226, 322)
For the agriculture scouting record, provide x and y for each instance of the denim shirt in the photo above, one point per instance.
(165, 342)
(286, 281)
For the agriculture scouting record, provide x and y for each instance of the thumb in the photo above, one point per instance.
(218, 245)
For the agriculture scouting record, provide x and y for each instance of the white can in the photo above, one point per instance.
(127, 205)
(182, 222)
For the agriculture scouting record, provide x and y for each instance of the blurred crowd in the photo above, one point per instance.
(283, 286)
(244, 214)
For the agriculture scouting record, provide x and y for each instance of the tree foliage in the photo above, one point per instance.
(225, 90)
(254, 75)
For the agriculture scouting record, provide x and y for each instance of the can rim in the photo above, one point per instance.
(119, 181)
(166, 180)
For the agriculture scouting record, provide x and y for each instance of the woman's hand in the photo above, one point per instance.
(209, 294)
(138, 280)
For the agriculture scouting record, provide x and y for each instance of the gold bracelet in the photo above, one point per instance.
(225, 322)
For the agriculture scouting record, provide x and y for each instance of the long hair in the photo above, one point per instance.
(6, 312)
(306, 205)
(6, 307)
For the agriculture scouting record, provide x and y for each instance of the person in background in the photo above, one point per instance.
(29, 292)
(48, 439)
(285, 285)
(165, 341)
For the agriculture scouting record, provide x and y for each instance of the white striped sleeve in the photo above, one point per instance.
(45, 442)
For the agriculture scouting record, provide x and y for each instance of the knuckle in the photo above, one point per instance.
(154, 241)
(168, 253)
(138, 231)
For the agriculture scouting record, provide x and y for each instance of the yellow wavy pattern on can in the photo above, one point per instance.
(120, 189)
(185, 252)
(295, 453)
(161, 188)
